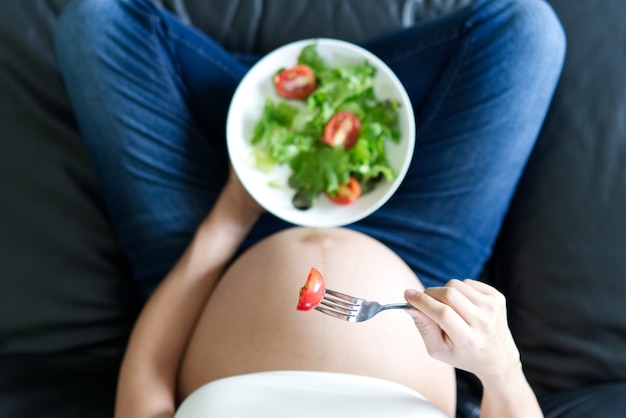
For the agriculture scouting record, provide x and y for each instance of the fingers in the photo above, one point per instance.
(488, 298)
(481, 287)
(461, 310)
(430, 331)
(464, 324)
(439, 323)
(456, 300)
(465, 289)
(464, 300)
(432, 303)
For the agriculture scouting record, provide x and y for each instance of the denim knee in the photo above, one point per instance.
(84, 27)
(526, 36)
(534, 25)
(543, 27)
(79, 23)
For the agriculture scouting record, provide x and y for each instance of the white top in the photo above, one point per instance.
(305, 394)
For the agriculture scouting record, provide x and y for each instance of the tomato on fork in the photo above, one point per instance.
(312, 292)
(296, 82)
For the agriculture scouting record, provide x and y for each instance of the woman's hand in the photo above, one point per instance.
(465, 325)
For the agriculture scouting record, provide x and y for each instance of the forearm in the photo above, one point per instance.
(509, 396)
(149, 372)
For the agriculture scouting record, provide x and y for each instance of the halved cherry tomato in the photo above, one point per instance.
(295, 82)
(342, 129)
(312, 292)
(347, 193)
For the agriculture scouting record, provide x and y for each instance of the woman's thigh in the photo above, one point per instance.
(150, 96)
(251, 322)
(481, 81)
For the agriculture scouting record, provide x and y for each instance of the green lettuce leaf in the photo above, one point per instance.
(292, 134)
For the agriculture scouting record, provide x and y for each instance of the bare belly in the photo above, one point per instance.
(251, 323)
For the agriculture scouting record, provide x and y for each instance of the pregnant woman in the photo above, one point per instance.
(219, 334)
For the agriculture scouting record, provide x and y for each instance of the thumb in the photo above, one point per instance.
(431, 332)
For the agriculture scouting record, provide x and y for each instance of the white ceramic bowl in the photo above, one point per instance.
(247, 106)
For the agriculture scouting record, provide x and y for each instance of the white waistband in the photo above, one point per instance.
(305, 394)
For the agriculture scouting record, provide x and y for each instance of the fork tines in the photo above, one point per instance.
(339, 305)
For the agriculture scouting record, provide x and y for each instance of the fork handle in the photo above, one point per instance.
(398, 306)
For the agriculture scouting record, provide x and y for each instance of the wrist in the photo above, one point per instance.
(509, 395)
(228, 223)
(506, 365)
(505, 377)
(234, 210)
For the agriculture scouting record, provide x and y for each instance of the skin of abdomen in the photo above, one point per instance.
(250, 323)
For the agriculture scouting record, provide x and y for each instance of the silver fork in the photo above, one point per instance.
(353, 309)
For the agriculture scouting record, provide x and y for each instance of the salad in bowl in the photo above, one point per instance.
(320, 132)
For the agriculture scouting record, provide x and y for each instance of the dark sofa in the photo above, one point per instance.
(66, 307)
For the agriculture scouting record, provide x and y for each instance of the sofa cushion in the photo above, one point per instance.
(62, 284)
(57, 386)
(260, 26)
(598, 401)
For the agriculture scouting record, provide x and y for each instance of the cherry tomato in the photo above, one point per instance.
(342, 129)
(347, 193)
(312, 292)
(295, 82)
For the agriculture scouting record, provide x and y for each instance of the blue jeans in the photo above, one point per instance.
(151, 93)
